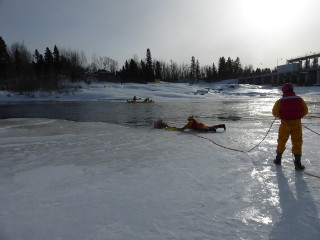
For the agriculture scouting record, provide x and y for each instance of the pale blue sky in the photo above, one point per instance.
(257, 31)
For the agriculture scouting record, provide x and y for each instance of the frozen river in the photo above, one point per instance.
(125, 114)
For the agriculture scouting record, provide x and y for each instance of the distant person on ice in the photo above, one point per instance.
(194, 124)
(160, 124)
(290, 109)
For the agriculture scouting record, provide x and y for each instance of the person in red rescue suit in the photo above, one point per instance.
(194, 124)
(290, 109)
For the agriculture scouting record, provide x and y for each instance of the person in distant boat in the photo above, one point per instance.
(199, 126)
(160, 124)
(134, 99)
(146, 100)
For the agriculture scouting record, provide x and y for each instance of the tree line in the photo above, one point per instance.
(21, 70)
(148, 70)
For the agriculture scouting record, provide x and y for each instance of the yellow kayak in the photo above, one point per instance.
(145, 101)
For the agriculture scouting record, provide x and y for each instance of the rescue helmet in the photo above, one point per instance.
(190, 117)
(287, 87)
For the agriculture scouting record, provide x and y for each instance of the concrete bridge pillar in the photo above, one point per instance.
(318, 76)
(299, 79)
(308, 78)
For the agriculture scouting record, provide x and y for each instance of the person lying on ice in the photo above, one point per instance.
(194, 124)
(160, 124)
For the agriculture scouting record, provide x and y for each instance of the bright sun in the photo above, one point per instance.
(270, 16)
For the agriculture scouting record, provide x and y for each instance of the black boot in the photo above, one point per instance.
(297, 162)
(277, 161)
(221, 126)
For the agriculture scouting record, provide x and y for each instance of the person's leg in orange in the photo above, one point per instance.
(296, 138)
(202, 127)
(283, 136)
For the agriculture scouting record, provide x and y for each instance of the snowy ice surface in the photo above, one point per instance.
(73, 180)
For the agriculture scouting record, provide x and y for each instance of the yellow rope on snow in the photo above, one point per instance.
(310, 174)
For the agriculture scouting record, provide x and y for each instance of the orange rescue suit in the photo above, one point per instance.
(194, 124)
(290, 109)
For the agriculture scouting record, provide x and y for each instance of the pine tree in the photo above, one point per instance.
(36, 56)
(237, 67)
(56, 55)
(38, 64)
(50, 81)
(193, 67)
(48, 57)
(222, 68)
(133, 70)
(209, 74)
(214, 72)
(17, 60)
(229, 68)
(127, 66)
(56, 59)
(197, 69)
(4, 59)
(158, 71)
(149, 66)
(4, 56)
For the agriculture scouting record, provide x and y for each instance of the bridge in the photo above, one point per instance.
(302, 70)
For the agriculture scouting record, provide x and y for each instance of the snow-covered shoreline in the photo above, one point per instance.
(158, 91)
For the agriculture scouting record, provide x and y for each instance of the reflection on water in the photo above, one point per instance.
(123, 113)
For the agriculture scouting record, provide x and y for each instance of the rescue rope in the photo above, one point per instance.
(310, 130)
(246, 152)
(233, 149)
(264, 136)
(310, 174)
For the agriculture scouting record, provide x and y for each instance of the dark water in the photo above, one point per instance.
(122, 113)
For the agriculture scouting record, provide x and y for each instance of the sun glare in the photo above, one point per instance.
(270, 16)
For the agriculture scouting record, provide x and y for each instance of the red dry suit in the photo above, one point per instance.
(290, 109)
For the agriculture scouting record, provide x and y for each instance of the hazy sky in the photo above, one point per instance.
(259, 32)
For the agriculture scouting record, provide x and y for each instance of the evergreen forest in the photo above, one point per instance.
(53, 69)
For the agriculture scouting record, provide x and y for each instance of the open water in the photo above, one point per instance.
(143, 115)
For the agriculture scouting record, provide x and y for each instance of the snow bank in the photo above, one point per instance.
(158, 91)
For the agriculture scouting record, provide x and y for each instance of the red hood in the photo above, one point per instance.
(288, 94)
